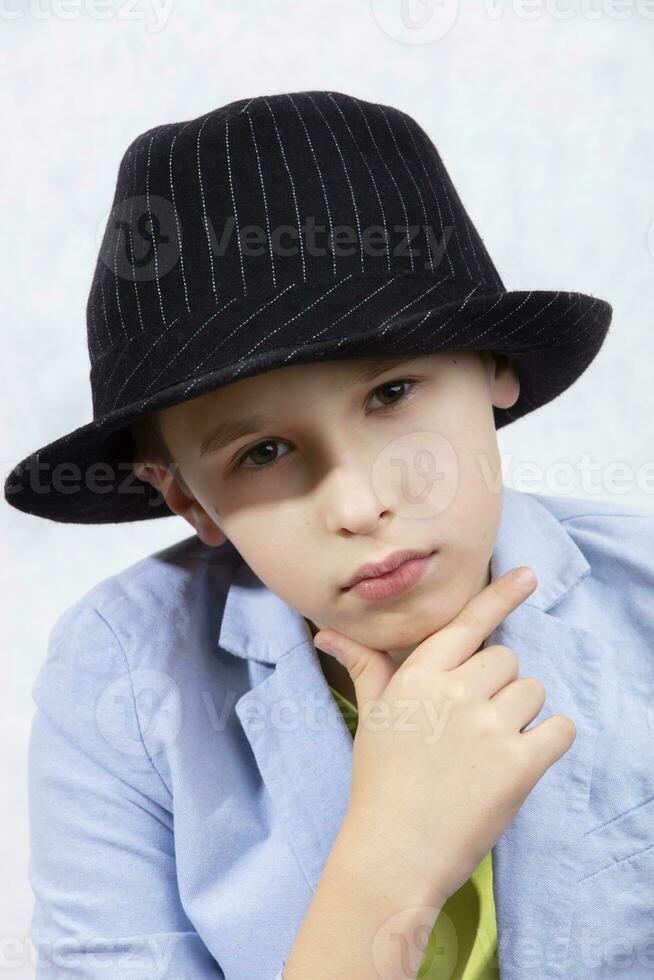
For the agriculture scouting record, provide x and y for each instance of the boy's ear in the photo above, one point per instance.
(181, 501)
(504, 380)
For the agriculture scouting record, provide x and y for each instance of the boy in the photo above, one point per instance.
(198, 806)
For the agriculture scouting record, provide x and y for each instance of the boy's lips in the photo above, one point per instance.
(375, 569)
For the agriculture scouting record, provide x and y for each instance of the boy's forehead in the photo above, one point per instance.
(353, 370)
(356, 369)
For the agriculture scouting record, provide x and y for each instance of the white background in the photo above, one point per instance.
(543, 116)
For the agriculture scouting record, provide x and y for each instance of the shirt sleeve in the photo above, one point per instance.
(102, 857)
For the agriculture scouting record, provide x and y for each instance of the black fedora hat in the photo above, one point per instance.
(273, 231)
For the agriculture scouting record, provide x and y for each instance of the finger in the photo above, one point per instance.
(369, 669)
(548, 741)
(520, 701)
(463, 635)
(489, 671)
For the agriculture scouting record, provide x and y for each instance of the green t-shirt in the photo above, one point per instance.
(463, 942)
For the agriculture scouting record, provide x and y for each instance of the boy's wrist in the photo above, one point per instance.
(371, 914)
(377, 860)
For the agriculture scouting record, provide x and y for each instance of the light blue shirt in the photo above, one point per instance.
(189, 768)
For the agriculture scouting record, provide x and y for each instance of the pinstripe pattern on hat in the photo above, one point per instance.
(223, 256)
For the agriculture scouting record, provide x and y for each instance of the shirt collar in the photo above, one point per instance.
(258, 625)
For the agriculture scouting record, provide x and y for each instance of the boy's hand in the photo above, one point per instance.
(440, 762)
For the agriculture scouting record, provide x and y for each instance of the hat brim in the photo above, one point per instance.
(85, 477)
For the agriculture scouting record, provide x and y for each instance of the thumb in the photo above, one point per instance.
(370, 669)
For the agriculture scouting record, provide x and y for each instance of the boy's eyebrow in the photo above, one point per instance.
(379, 363)
(226, 432)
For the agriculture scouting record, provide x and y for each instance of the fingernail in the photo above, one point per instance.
(325, 647)
(524, 576)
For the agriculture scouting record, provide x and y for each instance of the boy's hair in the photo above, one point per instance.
(149, 443)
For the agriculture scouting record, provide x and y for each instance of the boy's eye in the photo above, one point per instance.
(265, 453)
(389, 386)
(262, 454)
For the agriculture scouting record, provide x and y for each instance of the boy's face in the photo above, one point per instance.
(345, 466)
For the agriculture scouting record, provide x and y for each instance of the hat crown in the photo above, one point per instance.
(261, 196)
